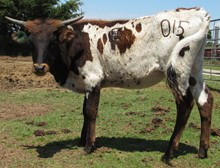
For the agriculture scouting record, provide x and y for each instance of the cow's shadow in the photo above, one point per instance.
(121, 143)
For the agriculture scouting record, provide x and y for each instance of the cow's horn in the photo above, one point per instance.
(69, 21)
(19, 22)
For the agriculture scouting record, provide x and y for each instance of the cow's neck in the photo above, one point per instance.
(59, 70)
(75, 53)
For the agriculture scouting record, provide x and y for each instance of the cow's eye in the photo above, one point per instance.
(30, 40)
(53, 41)
(53, 38)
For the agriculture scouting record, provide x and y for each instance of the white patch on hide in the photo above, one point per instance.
(93, 74)
(87, 95)
(203, 97)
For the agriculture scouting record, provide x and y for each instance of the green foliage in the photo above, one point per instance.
(209, 36)
(66, 10)
(32, 9)
(209, 44)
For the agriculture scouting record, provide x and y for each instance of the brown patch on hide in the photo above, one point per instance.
(83, 77)
(138, 27)
(37, 25)
(181, 37)
(124, 41)
(100, 46)
(173, 83)
(104, 38)
(102, 23)
(132, 23)
(192, 81)
(66, 35)
(183, 50)
(205, 111)
(194, 8)
(79, 52)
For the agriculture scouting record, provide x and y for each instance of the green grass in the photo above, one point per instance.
(212, 79)
(211, 64)
(121, 140)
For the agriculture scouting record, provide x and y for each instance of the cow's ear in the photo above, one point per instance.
(19, 37)
(66, 35)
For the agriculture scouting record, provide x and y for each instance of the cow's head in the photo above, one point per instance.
(42, 35)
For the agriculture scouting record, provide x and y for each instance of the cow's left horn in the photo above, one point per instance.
(19, 22)
(69, 21)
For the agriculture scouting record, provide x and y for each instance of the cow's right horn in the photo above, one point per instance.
(73, 20)
(19, 22)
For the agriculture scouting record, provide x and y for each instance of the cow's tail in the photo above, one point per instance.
(183, 58)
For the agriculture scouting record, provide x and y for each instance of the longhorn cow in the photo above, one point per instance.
(135, 53)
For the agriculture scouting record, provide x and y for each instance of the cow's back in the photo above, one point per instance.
(135, 53)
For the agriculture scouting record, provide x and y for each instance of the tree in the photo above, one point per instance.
(209, 36)
(32, 9)
(209, 42)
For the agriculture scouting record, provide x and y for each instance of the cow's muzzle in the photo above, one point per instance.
(40, 69)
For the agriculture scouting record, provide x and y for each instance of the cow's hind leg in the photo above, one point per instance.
(204, 100)
(90, 109)
(184, 107)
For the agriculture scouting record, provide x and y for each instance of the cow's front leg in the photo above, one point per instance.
(90, 109)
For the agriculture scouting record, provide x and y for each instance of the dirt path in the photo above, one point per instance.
(16, 73)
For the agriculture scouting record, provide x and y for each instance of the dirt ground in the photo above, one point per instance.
(16, 73)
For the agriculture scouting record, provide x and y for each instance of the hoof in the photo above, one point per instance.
(203, 153)
(88, 149)
(167, 160)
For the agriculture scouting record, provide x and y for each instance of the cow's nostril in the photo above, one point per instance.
(40, 69)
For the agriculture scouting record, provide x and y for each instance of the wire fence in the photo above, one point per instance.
(212, 52)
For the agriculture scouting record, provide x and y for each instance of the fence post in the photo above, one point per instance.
(216, 32)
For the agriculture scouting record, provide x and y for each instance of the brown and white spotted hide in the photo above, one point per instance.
(138, 53)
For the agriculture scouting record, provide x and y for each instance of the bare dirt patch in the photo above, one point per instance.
(9, 154)
(16, 73)
(15, 111)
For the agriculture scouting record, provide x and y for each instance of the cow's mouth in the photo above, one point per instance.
(40, 69)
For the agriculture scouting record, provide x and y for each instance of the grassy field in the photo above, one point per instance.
(212, 64)
(41, 128)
